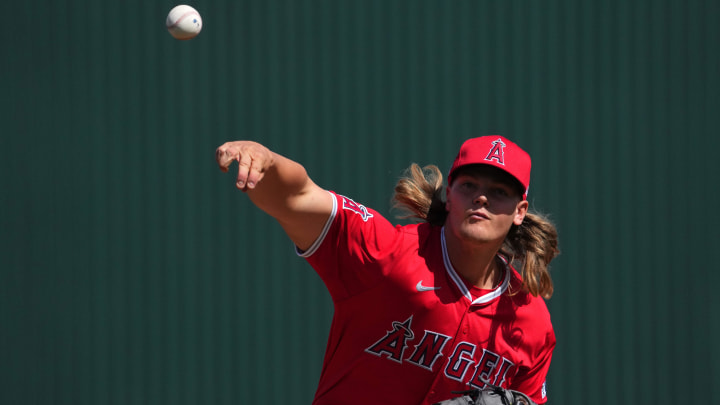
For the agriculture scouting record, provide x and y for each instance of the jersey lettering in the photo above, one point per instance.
(460, 360)
(395, 342)
(483, 372)
(428, 350)
(497, 152)
(488, 372)
(502, 372)
(490, 368)
(359, 209)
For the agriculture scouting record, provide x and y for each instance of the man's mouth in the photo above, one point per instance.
(479, 215)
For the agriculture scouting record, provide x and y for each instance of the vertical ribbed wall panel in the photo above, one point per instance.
(132, 272)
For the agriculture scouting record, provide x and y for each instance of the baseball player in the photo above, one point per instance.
(427, 310)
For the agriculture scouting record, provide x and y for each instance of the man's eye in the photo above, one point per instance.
(501, 191)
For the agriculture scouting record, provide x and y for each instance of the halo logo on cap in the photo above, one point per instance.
(497, 152)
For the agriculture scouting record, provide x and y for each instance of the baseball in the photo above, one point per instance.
(183, 22)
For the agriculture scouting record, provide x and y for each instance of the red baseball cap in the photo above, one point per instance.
(497, 151)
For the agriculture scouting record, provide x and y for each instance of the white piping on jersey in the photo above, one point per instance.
(461, 285)
(322, 235)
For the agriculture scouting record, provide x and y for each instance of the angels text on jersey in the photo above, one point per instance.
(460, 364)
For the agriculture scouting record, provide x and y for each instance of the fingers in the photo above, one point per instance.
(225, 155)
(255, 173)
(251, 157)
(244, 167)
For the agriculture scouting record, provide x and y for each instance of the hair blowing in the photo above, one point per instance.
(531, 245)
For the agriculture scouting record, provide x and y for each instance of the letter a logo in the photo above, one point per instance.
(497, 152)
(395, 341)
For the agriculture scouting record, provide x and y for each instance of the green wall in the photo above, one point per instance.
(132, 272)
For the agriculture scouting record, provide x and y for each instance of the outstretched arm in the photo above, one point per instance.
(280, 187)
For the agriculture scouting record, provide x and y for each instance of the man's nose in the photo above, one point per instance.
(481, 199)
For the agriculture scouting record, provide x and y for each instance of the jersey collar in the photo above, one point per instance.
(484, 299)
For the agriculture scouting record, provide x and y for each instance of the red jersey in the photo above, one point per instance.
(407, 329)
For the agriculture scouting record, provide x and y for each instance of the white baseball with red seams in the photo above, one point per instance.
(183, 22)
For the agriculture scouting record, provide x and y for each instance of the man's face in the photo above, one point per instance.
(483, 202)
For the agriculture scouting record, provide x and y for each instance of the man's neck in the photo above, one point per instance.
(476, 263)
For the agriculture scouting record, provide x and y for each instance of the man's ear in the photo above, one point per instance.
(520, 212)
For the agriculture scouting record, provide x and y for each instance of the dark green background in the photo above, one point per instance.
(132, 271)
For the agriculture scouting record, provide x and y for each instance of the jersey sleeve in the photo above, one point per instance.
(354, 244)
(532, 381)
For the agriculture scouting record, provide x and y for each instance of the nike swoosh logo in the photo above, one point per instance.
(420, 287)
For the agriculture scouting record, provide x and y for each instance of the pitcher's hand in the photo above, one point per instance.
(253, 160)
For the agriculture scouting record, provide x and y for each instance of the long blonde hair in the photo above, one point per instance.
(531, 246)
